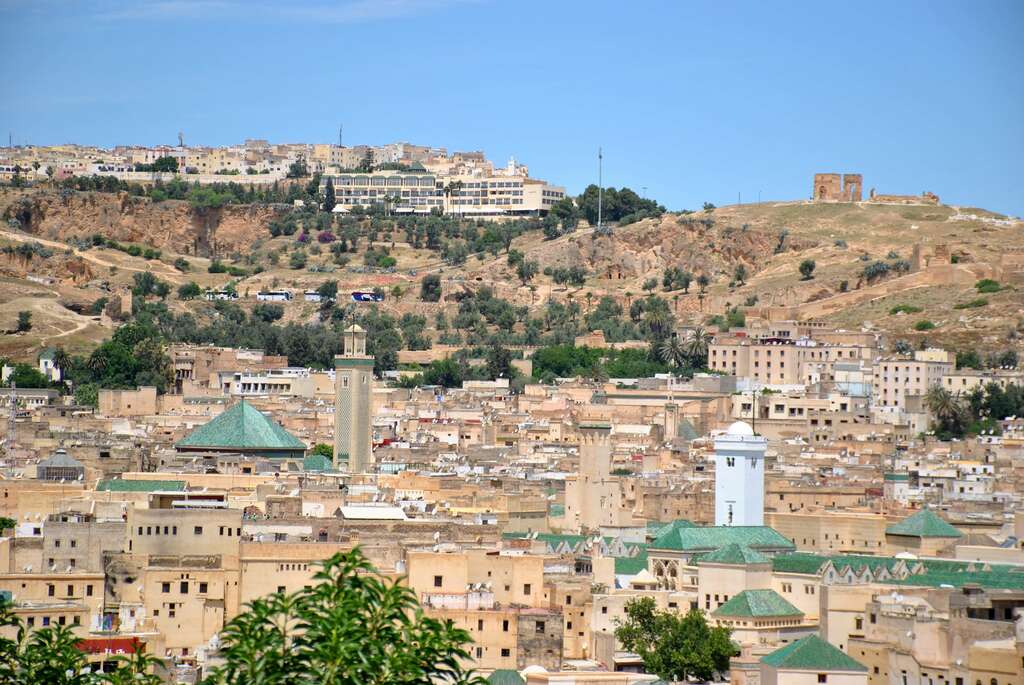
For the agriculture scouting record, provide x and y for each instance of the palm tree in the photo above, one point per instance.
(945, 407)
(672, 351)
(62, 361)
(658, 322)
(703, 282)
(629, 298)
(696, 346)
(589, 296)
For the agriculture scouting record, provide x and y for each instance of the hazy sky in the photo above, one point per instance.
(694, 101)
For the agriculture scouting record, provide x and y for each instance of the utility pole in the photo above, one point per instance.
(600, 188)
(739, 197)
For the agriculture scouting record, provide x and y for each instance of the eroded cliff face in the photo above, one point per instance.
(647, 247)
(171, 225)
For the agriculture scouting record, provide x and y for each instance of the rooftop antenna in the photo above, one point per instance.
(12, 417)
(181, 139)
(341, 128)
(600, 188)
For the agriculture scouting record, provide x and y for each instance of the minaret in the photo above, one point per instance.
(739, 477)
(353, 377)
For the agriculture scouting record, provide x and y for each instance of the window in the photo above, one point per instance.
(479, 624)
(438, 581)
(539, 627)
(526, 588)
(504, 626)
(822, 677)
(505, 651)
(88, 590)
(202, 588)
(604, 610)
(31, 621)
(479, 652)
(74, 543)
(165, 587)
(281, 589)
(184, 587)
(198, 530)
(859, 622)
(46, 621)
(51, 590)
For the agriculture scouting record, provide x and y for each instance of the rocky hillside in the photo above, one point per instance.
(171, 225)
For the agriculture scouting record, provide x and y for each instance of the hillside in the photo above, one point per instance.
(770, 240)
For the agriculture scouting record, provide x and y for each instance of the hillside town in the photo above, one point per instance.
(410, 178)
(796, 494)
(683, 345)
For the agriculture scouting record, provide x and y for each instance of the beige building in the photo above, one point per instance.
(897, 379)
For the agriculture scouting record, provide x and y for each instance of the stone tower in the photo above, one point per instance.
(353, 378)
(739, 477)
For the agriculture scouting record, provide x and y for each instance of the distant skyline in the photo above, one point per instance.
(694, 101)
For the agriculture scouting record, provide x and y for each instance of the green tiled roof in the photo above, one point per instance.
(926, 572)
(630, 566)
(690, 538)
(757, 604)
(317, 462)
(505, 676)
(121, 485)
(734, 554)
(896, 477)
(812, 654)
(556, 510)
(241, 427)
(924, 524)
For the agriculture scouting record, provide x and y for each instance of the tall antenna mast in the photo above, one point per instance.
(12, 417)
(341, 128)
(600, 188)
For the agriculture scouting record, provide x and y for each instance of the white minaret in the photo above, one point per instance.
(739, 477)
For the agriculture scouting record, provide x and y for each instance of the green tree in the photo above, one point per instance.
(499, 362)
(24, 322)
(740, 275)
(353, 627)
(650, 285)
(297, 260)
(330, 200)
(430, 288)
(328, 290)
(807, 269)
(298, 169)
(527, 269)
(675, 646)
(27, 376)
(267, 312)
(51, 655)
(189, 291)
(946, 409)
(323, 450)
(697, 342)
(673, 352)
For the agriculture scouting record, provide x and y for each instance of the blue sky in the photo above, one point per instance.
(694, 101)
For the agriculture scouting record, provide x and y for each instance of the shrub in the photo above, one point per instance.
(905, 309)
(973, 304)
(181, 264)
(807, 269)
(924, 325)
(216, 267)
(840, 243)
(987, 285)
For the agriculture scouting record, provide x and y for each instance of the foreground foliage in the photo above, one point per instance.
(352, 628)
(674, 646)
(51, 656)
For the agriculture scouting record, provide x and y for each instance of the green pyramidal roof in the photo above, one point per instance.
(505, 676)
(813, 654)
(757, 604)
(734, 554)
(924, 524)
(690, 538)
(241, 427)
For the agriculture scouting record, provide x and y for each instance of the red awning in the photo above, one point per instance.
(110, 645)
